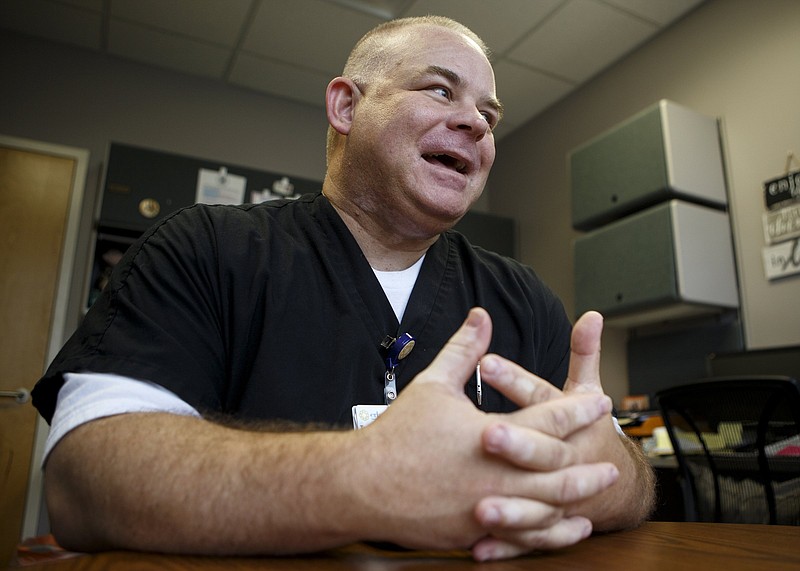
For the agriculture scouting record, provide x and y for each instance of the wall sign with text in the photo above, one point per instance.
(782, 225)
(782, 259)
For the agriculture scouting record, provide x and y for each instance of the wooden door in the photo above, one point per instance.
(35, 200)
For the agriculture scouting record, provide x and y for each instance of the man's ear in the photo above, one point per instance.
(340, 101)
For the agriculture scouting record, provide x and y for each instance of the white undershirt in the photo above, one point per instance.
(398, 285)
(89, 396)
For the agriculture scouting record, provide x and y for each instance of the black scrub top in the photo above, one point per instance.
(272, 312)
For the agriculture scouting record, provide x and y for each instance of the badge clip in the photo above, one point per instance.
(397, 349)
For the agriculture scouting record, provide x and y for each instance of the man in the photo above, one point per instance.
(204, 387)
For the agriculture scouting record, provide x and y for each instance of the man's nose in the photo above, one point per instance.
(469, 118)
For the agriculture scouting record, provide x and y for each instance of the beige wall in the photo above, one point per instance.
(733, 59)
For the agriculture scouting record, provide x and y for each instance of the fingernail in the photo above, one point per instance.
(482, 554)
(474, 318)
(587, 529)
(491, 516)
(489, 365)
(496, 437)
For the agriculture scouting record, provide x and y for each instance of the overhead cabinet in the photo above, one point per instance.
(651, 195)
(666, 151)
(673, 260)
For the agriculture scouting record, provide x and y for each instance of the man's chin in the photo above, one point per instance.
(451, 209)
(439, 219)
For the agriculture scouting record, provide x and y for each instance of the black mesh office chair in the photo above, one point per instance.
(737, 442)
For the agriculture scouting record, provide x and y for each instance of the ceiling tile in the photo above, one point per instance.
(96, 5)
(300, 33)
(581, 39)
(525, 92)
(148, 45)
(57, 22)
(216, 21)
(500, 23)
(659, 11)
(384, 9)
(284, 80)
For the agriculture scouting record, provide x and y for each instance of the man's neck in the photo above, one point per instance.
(386, 250)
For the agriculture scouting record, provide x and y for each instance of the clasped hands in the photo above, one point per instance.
(500, 484)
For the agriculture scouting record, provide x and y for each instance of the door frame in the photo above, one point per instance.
(34, 494)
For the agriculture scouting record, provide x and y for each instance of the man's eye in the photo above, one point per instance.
(443, 91)
(489, 118)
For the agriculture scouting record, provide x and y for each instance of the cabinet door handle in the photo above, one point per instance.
(20, 395)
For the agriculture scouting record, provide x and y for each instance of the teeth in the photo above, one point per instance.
(459, 166)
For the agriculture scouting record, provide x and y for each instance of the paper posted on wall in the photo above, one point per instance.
(219, 187)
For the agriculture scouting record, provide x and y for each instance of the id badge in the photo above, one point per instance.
(365, 414)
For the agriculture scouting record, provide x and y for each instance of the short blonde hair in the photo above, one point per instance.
(371, 55)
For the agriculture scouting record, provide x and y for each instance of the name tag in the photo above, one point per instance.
(365, 414)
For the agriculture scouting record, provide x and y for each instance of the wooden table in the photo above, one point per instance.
(654, 546)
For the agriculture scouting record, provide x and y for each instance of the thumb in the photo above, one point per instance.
(457, 360)
(584, 362)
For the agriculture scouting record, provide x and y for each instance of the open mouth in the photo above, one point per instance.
(446, 160)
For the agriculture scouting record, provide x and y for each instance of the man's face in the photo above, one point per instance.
(421, 135)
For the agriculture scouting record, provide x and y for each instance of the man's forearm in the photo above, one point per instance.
(630, 501)
(641, 483)
(162, 482)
